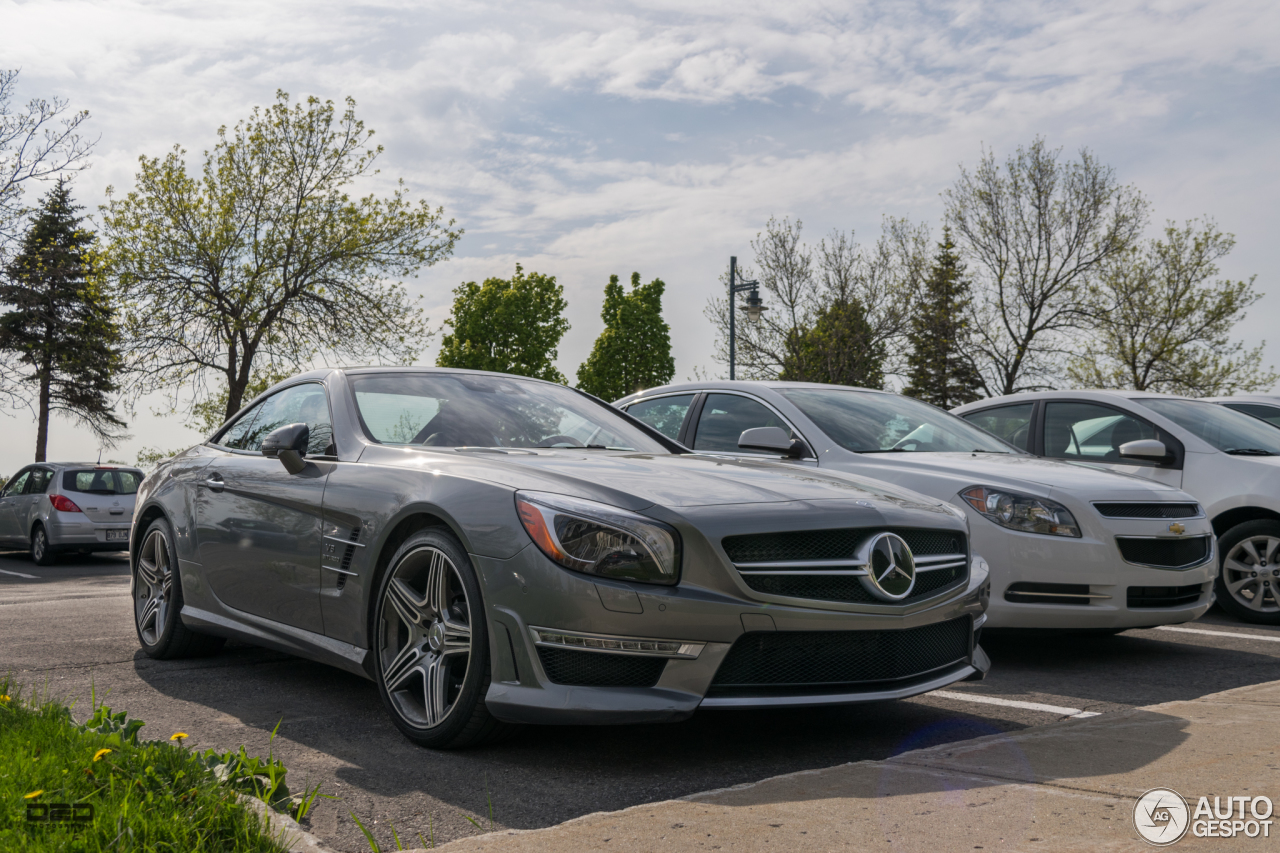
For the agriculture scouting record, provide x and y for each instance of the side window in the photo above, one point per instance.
(1012, 423)
(38, 482)
(307, 404)
(1091, 433)
(238, 435)
(724, 418)
(665, 414)
(16, 485)
(1270, 414)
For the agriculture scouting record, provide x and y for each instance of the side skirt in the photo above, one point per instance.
(282, 638)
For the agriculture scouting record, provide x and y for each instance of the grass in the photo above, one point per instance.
(145, 795)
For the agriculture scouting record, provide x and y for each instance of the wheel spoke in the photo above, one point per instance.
(435, 690)
(147, 571)
(1247, 545)
(437, 585)
(149, 612)
(405, 664)
(1272, 551)
(408, 605)
(1236, 566)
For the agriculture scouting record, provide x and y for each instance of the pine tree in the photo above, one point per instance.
(61, 327)
(634, 350)
(941, 371)
(839, 349)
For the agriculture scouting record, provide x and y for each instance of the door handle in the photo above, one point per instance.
(215, 483)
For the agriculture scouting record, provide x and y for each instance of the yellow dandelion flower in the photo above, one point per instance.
(178, 736)
(100, 754)
(4, 698)
(33, 795)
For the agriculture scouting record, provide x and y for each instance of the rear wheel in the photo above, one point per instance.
(1248, 585)
(42, 553)
(432, 645)
(157, 600)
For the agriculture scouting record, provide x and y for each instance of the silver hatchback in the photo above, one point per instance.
(53, 507)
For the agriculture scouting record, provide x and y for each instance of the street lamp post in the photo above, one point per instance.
(754, 308)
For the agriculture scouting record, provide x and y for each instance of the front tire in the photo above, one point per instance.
(157, 600)
(1248, 584)
(42, 553)
(432, 644)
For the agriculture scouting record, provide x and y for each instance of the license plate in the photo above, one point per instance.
(117, 536)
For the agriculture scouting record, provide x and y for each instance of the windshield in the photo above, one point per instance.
(878, 423)
(1225, 429)
(467, 410)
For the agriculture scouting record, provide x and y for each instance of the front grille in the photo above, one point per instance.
(839, 661)
(599, 669)
(1048, 593)
(1146, 597)
(801, 545)
(821, 582)
(849, 589)
(1165, 553)
(1151, 510)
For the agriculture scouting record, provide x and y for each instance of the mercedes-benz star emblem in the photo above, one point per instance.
(891, 569)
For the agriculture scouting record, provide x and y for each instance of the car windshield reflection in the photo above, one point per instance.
(468, 410)
(887, 423)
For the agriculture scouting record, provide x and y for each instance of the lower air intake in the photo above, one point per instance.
(839, 661)
(599, 669)
(1154, 597)
(1165, 553)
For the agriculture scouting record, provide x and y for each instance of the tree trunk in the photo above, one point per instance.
(42, 417)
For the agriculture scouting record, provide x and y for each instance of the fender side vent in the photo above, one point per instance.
(347, 557)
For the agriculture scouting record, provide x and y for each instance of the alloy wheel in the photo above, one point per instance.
(153, 587)
(425, 637)
(39, 544)
(1251, 573)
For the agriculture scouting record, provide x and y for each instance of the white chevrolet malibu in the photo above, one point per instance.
(1068, 546)
(1228, 460)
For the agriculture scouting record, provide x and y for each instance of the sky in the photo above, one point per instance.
(586, 139)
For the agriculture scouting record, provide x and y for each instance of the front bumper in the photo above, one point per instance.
(1093, 565)
(528, 591)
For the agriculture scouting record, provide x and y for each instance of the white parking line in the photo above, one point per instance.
(19, 575)
(1218, 633)
(1074, 713)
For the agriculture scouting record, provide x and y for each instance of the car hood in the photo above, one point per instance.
(995, 469)
(686, 480)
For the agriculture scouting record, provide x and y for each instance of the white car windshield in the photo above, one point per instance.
(470, 410)
(1229, 431)
(887, 423)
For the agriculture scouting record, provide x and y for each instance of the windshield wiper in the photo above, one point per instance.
(889, 450)
(1248, 451)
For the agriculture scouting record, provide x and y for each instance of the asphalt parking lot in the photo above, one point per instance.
(68, 629)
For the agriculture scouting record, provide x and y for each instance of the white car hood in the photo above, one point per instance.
(996, 469)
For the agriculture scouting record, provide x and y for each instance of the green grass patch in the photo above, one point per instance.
(95, 787)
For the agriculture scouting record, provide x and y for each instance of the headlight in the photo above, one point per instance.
(1022, 512)
(598, 539)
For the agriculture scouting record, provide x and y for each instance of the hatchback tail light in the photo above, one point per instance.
(63, 504)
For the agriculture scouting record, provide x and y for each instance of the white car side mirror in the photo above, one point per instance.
(1147, 448)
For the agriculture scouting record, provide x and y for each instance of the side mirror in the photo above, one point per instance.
(773, 439)
(1147, 448)
(289, 445)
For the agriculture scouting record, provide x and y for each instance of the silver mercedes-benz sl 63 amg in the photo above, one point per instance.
(491, 549)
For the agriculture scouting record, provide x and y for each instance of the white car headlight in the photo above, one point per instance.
(598, 539)
(1022, 512)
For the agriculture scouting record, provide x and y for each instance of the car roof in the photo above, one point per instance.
(1273, 399)
(741, 385)
(1099, 394)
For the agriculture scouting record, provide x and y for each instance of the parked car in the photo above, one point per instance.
(1264, 406)
(1069, 548)
(54, 507)
(491, 548)
(1229, 461)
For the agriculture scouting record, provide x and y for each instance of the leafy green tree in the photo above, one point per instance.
(840, 349)
(507, 325)
(940, 366)
(263, 262)
(61, 327)
(1161, 323)
(634, 350)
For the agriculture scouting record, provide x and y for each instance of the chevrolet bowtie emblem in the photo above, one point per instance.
(1177, 528)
